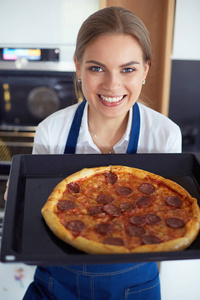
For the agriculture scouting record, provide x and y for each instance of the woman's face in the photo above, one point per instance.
(112, 71)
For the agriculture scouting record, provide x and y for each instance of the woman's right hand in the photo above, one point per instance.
(6, 191)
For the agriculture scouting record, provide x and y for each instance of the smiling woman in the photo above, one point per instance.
(112, 60)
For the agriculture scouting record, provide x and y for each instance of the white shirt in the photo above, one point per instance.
(158, 134)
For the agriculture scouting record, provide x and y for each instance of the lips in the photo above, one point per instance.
(112, 99)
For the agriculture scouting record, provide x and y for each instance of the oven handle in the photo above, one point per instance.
(4, 177)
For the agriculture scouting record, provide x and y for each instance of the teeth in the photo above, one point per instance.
(111, 99)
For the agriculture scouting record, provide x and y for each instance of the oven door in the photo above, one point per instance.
(4, 174)
(26, 98)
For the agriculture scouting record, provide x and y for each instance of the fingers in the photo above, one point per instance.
(6, 191)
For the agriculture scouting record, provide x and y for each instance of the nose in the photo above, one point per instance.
(112, 82)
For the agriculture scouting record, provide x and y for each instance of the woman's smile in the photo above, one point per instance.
(111, 100)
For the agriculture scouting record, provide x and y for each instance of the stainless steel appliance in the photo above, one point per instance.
(31, 88)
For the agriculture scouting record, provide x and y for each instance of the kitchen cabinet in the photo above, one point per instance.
(158, 16)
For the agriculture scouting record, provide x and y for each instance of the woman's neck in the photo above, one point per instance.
(106, 132)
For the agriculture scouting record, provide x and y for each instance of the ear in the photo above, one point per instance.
(146, 68)
(78, 67)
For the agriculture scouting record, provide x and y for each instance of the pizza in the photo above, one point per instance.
(119, 209)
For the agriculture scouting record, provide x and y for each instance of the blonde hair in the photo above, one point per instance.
(111, 20)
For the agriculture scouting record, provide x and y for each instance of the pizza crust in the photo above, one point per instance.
(94, 247)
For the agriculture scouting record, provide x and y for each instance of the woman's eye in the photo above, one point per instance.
(96, 69)
(128, 70)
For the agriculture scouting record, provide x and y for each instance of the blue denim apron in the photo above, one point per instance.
(138, 281)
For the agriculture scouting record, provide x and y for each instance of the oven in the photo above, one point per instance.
(26, 98)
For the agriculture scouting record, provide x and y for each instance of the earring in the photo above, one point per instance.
(143, 82)
(79, 80)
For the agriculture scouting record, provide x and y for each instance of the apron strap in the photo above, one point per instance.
(70, 147)
(135, 130)
(74, 130)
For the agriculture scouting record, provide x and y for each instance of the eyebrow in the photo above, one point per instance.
(130, 63)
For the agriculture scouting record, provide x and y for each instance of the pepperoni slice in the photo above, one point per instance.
(112, 210)
(137, 220)
(114, 241)
(111, 178)
(143, 201)
(103, 228)
(146, 188)
(104, 199)
(175, 222)
(75, 225)
(95, 210)
(124, 190)
(74, 187)
(152, 219)
(151, 239)
(127, 206)
(174, 201)
(135, 230)
(65, 205)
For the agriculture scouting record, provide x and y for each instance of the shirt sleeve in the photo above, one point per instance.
(158, 134)
(176, 142)
(52, 132)
(41, 141)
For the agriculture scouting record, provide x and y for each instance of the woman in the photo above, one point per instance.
(112, 60)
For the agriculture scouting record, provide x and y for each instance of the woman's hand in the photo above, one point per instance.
(6, 191)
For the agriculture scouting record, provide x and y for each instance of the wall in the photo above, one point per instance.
(44, 23)
(186, 32)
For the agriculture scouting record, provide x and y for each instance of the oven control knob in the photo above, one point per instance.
(21, 63)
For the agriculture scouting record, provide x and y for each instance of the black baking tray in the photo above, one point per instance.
(26, 237)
